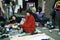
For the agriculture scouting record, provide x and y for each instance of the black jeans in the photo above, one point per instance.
(53, 21)
(58, 20)
(59, 25)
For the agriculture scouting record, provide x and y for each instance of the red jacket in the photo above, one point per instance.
(29, 25)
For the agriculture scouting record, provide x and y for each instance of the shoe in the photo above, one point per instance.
(34, 33)
(59, 33)
(50, 30)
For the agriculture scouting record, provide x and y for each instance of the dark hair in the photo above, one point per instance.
(40, 9)
(12, 16)
(0, 9)
(29, 11)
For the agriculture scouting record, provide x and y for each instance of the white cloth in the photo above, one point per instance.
(22, 21)
(32, 37)
(11, 9)
(16, 9)
(20, 2)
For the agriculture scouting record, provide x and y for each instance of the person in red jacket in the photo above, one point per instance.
(29, 24)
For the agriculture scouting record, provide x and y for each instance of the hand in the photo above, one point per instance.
(21, 30)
